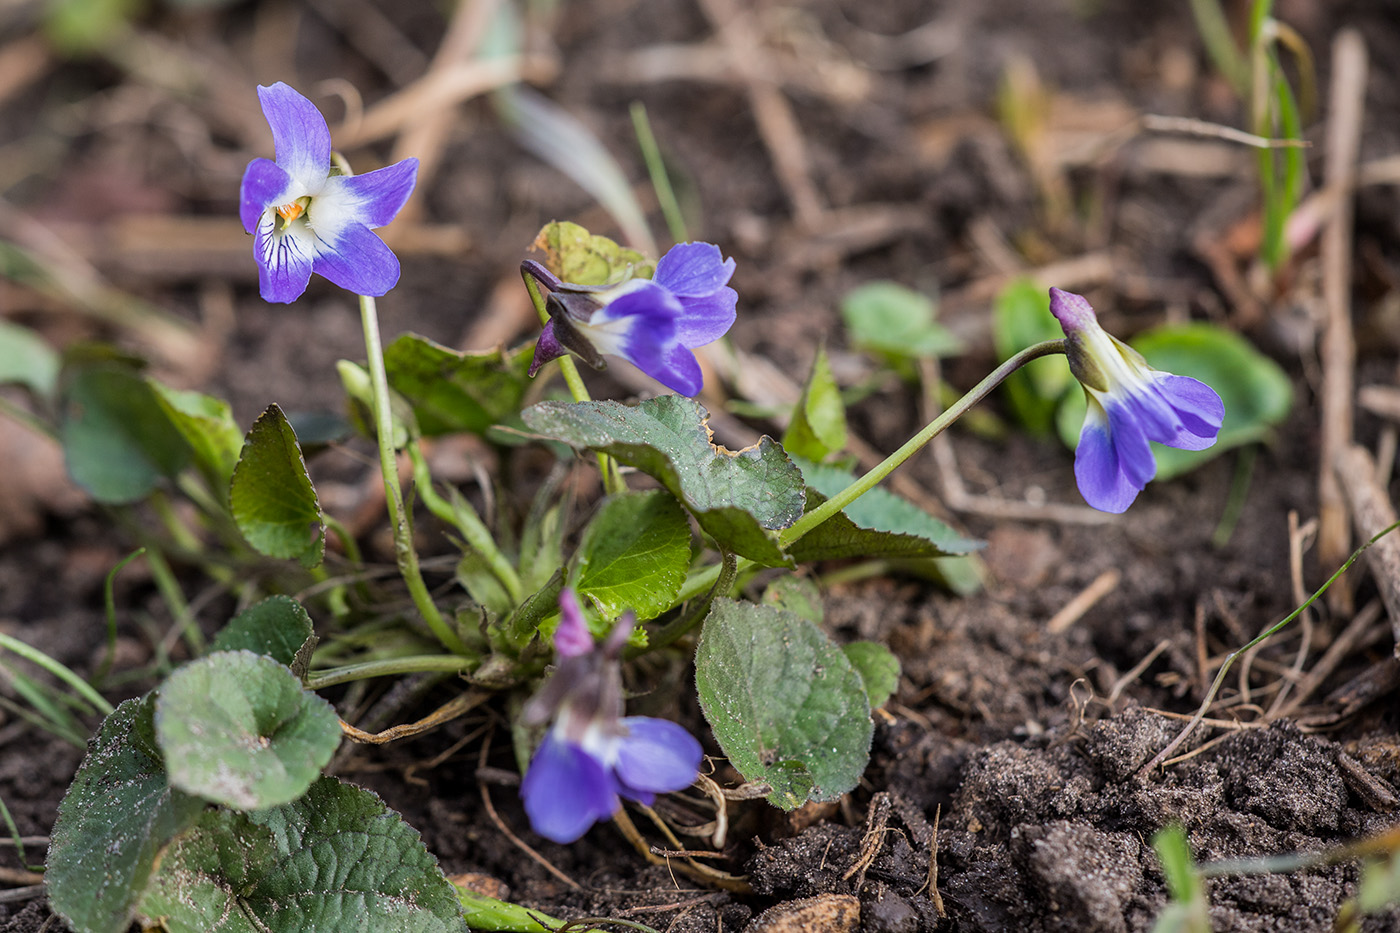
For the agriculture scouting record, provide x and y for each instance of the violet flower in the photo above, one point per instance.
(1130, 403)
(652, 323)
(591, 754)
(308, 217)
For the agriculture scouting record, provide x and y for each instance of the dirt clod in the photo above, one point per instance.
(832, 913)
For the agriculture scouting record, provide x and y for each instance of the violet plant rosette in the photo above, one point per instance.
(1129, 404)
(592, 754)
(653, 323)
(307, 216)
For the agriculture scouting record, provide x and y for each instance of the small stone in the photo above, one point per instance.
(830, 913)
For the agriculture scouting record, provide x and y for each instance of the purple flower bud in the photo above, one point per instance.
(306, 219)
(591, 754)
(652, 323)
(1129, 404)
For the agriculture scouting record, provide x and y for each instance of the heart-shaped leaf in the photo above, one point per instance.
(452, 391)
(117, 815)
(896, 321)
(271, 497)
(237, 728)
(634, 555)
(738, 498)
(277, 627)
(335, 860)
(26, 359)
(784, 702)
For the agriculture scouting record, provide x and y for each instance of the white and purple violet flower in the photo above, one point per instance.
(308, 217)
(592, 754)
(652, 323)
(1130, 403)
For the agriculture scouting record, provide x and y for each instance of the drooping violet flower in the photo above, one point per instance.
(592, 754)
(652, 323)
(1129, 404)
(307, 217)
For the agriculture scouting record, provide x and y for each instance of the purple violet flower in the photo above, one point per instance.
(592, 754)
(308, 217)
(652, 323)
(1130, 403)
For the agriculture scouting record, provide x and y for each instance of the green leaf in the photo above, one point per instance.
(896, 320)
(878, 669)
(878, 524)
(1256, 392)
(1022, 318)
(489, 913)
(577, 256)
(25, 359)
(818, 425)
(206, 423)
(453, 392)
(634, 555)
(272, 499)
(785, 703)
(113, 821)
(797, 595)
(738, 498)
(277, 627)
(237, 728)
(336, 860)
(117, 439)
(1188, 911)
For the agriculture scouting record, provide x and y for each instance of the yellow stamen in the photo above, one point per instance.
(290, 212)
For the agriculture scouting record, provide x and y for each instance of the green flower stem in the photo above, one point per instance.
(612, 479)
(935, 427)
(59, 670)
(387, 667)
(463, 517)
(406, 556)
(700, 582)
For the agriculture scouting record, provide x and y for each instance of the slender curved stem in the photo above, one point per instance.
(404, 553)
(699, 582)
(413, 664)
(935, 427)
(724, 580)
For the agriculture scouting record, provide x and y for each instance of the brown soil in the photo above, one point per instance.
(1022, 744)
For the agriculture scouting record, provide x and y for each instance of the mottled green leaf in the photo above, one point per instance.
(785, 704)
(818, 425)
(452, 391)
(895, 320)
(272, 499)
(878, 524)
(117, 815)
(577, 256)
(738, 498)
(335, 861)
(1256, 391)
(117, 439)
(238, 729)
(277, 627)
